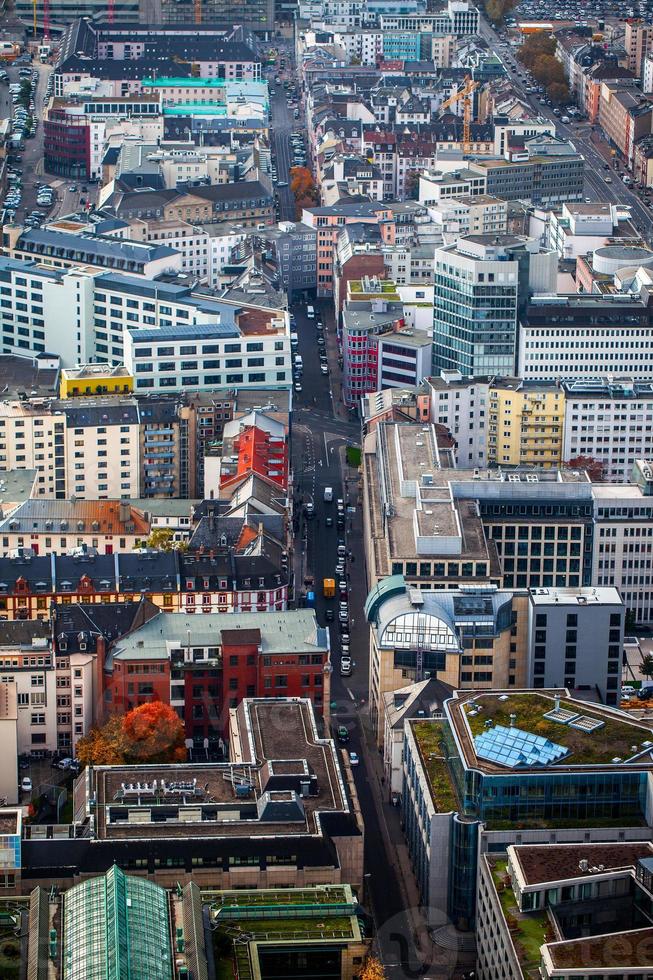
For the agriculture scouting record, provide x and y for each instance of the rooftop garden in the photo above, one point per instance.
(614, 739)
(428, 735)
(231, 937)
(284, 896)
(528, 930)
(10, 948)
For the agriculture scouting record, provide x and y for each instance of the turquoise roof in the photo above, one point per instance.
(184, 82)
(116, 927)
(385, 588)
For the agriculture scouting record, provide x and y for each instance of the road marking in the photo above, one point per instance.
(350, 694)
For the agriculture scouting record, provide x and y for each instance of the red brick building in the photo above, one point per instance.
(205, 665)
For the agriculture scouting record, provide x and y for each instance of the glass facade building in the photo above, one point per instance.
(116, 927)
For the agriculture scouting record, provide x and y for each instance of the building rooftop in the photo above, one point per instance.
(539, 864)
(283, 779)
(593, 736)
(28, 376)
(278, 632)
(615, 951)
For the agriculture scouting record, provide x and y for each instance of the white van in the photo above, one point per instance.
(294, 341)
(310, 312)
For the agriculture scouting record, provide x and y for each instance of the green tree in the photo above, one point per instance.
(559, 93)
(163, 539)
(646, 666)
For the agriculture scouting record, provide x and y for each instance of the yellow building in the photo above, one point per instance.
(526, 422)
(95, 379)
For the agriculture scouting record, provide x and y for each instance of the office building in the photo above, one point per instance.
(576, 639)
(511, 767)
(291, 820)
(35, 305)
(610, 421)
(583, 337)
(606, 885)
(481, 637)
(481, 282)
(435, 525)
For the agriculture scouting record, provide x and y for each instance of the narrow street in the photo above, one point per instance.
(320, 438)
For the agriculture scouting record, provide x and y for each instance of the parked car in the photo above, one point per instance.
(353, 759)
(26, 784)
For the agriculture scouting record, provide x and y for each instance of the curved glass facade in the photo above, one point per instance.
(115, 927)
(462, 873)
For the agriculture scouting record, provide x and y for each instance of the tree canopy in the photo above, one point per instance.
(151, 732)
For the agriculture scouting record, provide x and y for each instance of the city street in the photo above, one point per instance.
(282, 124)
(319, 441)
(588, 142)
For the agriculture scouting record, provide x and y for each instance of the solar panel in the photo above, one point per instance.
(515, 748)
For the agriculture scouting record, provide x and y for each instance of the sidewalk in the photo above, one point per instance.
(327, 315)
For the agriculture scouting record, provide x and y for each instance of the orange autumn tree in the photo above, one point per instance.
(303, 187)
(373, 969)
(150, 733)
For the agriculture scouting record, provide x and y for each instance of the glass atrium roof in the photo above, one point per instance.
(515, 748)
(115, 927)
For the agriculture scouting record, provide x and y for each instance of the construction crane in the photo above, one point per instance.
(464, 93)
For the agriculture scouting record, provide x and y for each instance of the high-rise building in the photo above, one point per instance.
(481, 283)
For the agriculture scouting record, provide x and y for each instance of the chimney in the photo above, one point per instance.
(124, 512)
(513, 719)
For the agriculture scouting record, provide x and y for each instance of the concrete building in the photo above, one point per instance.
(498, 771)
(234, 352)
(515, 528)
(584, 337)
(481, 283)
(610, 421)
(549, 171)
(610, 882)
(576, 640)
(625, 116)
(311, 834)
(290, 249)
(623, 544)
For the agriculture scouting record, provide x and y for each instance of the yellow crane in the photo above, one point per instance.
(464, 93)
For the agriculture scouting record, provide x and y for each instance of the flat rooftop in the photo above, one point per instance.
(275, 748)
(614, 951)
(539, 864)
(593, 736)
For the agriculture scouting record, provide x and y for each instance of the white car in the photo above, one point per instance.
(324, 368)
(26, 784)
(353, 759)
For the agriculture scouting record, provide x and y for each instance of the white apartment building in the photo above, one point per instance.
(211, 356)
(611, 421)
(84, 314)
(365, 45)
(205, 250)
(463, 405)
(585, 337)
(623, 542)
(89, 450)
(465, 215)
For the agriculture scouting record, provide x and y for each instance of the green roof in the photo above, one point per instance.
(115, 927)
(614, 739)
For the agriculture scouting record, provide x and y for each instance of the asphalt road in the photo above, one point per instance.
(319, 441)
(588, 141)
(31, 161)
(282, 122)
